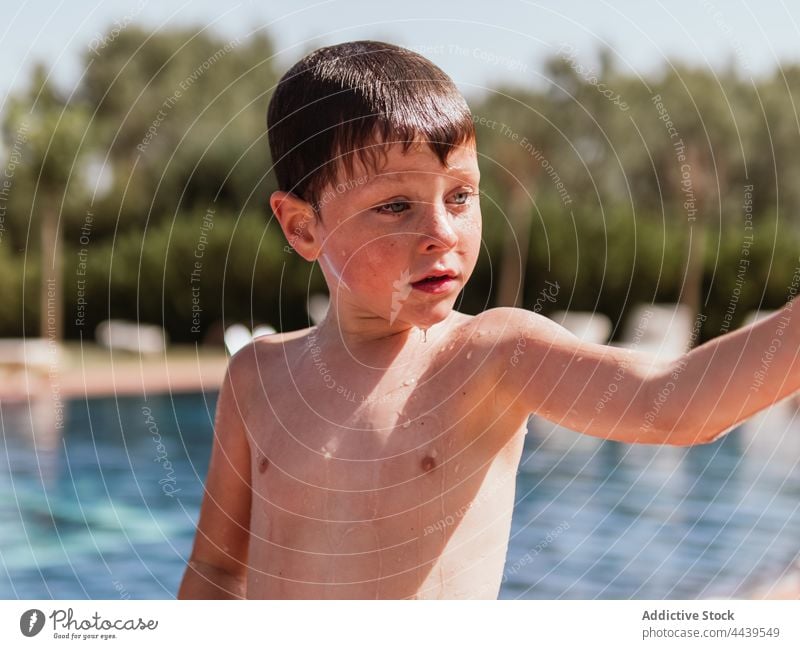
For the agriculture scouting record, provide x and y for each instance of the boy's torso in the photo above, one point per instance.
(375, 484)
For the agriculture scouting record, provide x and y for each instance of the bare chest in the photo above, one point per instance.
(368, 495)
(361, 448)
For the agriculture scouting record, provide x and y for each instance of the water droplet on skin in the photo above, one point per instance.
(451, 346)
(424, 335)
(409, 382)
(407, 424)
(580, 358)
(457, 467)
(469, 355)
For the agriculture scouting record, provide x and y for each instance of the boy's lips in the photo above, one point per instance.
(435, 272)
(436, 281)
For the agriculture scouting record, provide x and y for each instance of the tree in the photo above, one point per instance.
(50, 155)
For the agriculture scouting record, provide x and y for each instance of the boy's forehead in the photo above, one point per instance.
(394, 164)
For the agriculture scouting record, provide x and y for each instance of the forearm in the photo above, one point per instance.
(204, 581)
(723, 382)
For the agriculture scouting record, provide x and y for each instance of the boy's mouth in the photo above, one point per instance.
(437, 282)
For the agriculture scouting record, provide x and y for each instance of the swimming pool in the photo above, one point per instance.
(103, 503)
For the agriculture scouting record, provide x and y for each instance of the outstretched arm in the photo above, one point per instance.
(630, 396)
(598, 390)
(727, 380)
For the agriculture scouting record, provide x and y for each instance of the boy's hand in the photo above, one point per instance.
(217, 567)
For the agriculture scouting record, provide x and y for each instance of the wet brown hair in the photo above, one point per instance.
(354, 99)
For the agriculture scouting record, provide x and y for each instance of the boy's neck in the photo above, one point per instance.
(369, 332)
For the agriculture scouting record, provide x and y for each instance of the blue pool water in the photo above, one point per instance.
(92, 506)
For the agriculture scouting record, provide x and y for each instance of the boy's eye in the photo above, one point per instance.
(395, 207)
(398, 207)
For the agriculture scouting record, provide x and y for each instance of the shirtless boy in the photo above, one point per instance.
(375, 455)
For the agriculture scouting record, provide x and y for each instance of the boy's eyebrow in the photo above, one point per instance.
(400, 175)
(387, 176)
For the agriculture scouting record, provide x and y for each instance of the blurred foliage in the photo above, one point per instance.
(154, 275)
(166, 128)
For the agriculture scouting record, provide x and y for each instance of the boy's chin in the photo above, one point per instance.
(429, 317)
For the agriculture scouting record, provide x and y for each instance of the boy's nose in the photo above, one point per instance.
(438, 230)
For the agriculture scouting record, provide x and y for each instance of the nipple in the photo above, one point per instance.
(428, 463)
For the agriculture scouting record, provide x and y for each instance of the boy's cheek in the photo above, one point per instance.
(377, 265)
(379, 253)
(470, 228)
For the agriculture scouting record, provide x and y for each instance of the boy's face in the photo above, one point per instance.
(384, 231)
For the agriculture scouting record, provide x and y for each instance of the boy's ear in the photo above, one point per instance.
(299, 223)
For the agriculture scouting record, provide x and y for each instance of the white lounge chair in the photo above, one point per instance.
(131, 336)
(664, 330)
(237, 336)
(587, 325)
(33, 353)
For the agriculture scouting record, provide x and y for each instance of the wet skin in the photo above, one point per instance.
(374, 455)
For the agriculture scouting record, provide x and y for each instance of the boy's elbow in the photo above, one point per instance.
(667, 420)
(686, 434)
(690, 437)
(678, 430)
(710, 435)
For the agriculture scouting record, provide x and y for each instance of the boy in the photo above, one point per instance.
(374, 455)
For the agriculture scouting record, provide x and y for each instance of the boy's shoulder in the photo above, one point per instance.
(489, 328)
(498, 323)
(511, 323)
(244, 364)
(508, 332)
